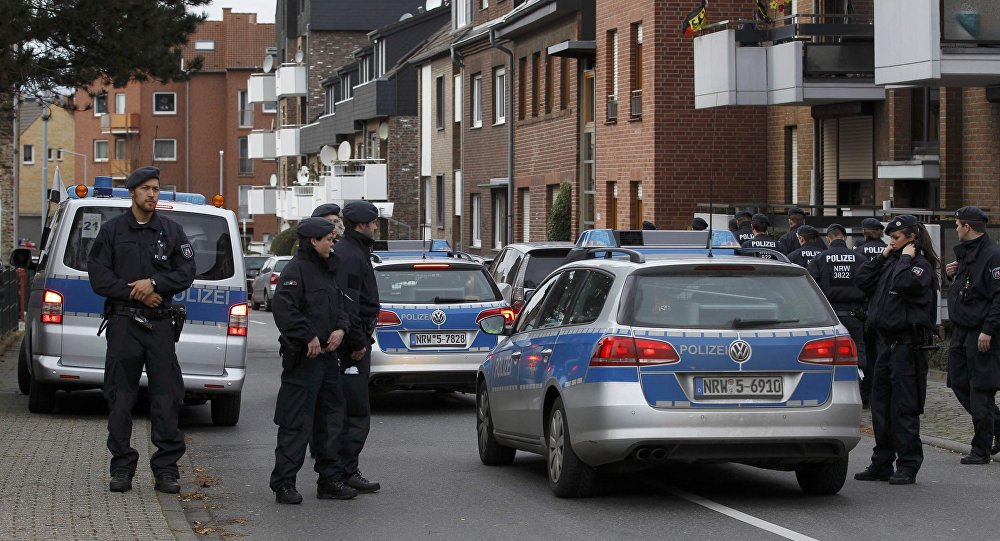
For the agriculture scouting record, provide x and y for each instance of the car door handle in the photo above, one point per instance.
(515, 356)
(546, 353)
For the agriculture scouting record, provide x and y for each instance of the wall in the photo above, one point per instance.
(403, 161)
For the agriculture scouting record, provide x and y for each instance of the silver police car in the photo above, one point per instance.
(624, 364)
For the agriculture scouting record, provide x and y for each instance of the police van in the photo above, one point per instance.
(61, 349)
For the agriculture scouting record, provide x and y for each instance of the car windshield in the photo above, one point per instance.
(723, 299)
(541, 264)
(280, 264)
(253, 263)
(434, 286)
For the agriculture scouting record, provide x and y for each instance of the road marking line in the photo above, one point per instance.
(258, 322)
(739, 515)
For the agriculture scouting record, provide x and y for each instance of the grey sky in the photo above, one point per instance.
(263, 8)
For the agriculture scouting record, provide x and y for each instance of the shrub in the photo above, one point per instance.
(560, 219)
(284, 242)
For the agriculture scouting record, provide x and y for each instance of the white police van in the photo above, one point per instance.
(61, 349)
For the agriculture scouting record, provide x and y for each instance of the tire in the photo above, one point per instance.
(267, 302)
(824, 478)
(41, 397)
(226, 409)
(23, 375)
(254, 305)
(491, 453)
(569, 477)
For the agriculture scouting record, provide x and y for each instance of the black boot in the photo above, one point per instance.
(166, 482)
(996, 445)
(288, 495)
(334, 490)
(872, 475)
(363, 485)
(121, 481)
(976, 458)
(902, 478)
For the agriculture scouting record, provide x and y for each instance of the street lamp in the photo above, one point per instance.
(46, 115)
(221, 154)
(85, 158)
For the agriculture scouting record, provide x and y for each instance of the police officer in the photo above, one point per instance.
(356, 279)
(744, 230)
(974, 309)
(789, 241)
(836, 272)
(648, 225)
(758, 225)
(138, 262)
(308, 312)
(699, 224)
(873, 243)
(811, 245)
(733, 226)
(331, 213)
(903, 288)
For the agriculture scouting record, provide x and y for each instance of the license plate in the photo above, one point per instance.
(455, 339)
(738, 387)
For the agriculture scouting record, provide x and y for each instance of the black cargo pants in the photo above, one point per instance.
(969, 378)
(357, 418)
(895, 406)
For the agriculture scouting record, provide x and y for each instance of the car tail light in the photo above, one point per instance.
(505, 311)
(239, 316)
(432, 265)
(839, 350)
(517, 300)
(52, 307)
(387, 318)
(274, 278)
(628, 351)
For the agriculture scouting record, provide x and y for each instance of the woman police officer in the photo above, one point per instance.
(902, 282)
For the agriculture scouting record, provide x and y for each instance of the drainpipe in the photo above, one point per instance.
(187, 135)
(510, 134)
(816, 189)
(456, 59)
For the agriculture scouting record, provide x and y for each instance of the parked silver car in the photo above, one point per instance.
(266, 281)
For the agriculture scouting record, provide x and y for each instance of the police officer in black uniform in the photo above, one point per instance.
(331, 213)
(699, 224)
(903, 288)
(759, 224)
(836, 272)
(744, 231)
(974, 309)
(138, 262)
(811, 246)
(873, 243)
(308, 311)
(356, 279)
(789, 242)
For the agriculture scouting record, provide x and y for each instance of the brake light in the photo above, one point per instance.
(274, 278)
(52, 307)
(628, 351)
(505, 311)
(387, 318)
(239, 316)
(839, 350)
(517, 300)
(431, 265)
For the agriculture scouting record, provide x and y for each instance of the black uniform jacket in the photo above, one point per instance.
(805, 253)
(870, 248)
(836, 271)
(901, 290)
(125, 251)
(974, 297)
(356, 279)
(789, 242)
(307, 303)
(743, 233)
(762, 240)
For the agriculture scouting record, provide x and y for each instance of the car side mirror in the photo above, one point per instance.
(21, 258)
(252, 273)
(495, 325)
(528, 293)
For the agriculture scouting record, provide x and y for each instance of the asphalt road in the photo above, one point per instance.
(422, 449)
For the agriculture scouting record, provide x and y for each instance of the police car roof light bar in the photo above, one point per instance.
(101, 189)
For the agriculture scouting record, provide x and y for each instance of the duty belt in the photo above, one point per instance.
(148, 313)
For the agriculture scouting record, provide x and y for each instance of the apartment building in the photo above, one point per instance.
(33, 116)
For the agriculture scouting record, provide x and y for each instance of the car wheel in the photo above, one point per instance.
(23, 375)
(569, 477)
(823, 478)
(267, 303)
(491, 453)
(41, 397)
(226, 409)
(254, 305)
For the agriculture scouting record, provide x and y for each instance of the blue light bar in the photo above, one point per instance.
(102, 188)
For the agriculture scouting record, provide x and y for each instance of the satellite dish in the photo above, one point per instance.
(344, 151)
(299, 56)
(432, 4)
(303, 175)
(274, 180)
(383, 130)
(405, 16)
(268, 64)
(327, 155)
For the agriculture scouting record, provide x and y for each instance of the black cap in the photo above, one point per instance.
(733, 226)
(759, 220)
(807, 231)
(900, 222)
(796, 210)
(315, 228)
(360, 212)
(326, 209)
(141, 175)
(872, 223)
(744, 214)
(836, 227)
(971, 214)
(648, 225)
(699, 224)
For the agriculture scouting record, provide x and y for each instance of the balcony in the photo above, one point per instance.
(636, 109)
(612, 108)
(120, 124)
(798, 60)
(121, 168)
(937, 42)
(349, 180)
(286, 142)
(263, 145)
(291, 81)
(261, 88)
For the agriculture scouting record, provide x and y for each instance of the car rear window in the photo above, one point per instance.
(434, 286)
(541, 263)
(707, 299)
(209, 236)
(254, 263)
(279, 265)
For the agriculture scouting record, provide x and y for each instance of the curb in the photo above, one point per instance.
(950, 445)
(182, 520)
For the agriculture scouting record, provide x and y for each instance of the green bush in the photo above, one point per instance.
(284, 242)
(560, 219)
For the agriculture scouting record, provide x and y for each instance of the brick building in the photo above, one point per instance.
(32, 156)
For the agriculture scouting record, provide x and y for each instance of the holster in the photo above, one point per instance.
(178, 315)
(292, 351)
(105, 316)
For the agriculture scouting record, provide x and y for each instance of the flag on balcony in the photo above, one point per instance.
(762, 13)
(695, 20)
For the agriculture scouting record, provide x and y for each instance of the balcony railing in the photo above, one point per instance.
(612, 108)
(120, 123)
(636, 105)
(970, 22)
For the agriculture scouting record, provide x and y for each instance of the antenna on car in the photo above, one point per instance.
(711, 208)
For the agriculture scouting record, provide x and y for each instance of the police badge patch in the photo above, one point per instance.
(996, 273)
(289, 283)
(917, 271)
(187, 251)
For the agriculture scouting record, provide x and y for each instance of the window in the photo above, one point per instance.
(457, 90)
(429, 286)
(527, 321)
(564, 83)
(363, 70)
(101, 104)
(28, 154)
(477, 100)
(525, 215)
(522, 84)
(536, 60)
(612, 77)
(245, 204)
(379, 54)
(119, 103)
(52, 154)
(246, 164)
(477, 215)
(499, 219)
(428, 204)
(244, 109)
(119, 148)
(329, 100)
(439, 101)
(554, 310)
(439, 194)
(269, 107)
(548, 85)
(345, 87)
(164, 103)
(500, 96)
(485, 4)
(635, 77)
(101, 150)
(463, 13)
(204, 45)
(165, 150)
(590, 301)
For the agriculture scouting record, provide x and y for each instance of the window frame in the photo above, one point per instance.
(475, 202)
(439, 201)
(120, 142)
(439, 102)
(499, 96)
(243, 109)
(173, 111)
(164, 139)
(120, 97)
(107, 150)
(245, 165)
(26, 151)
(99, 99)
(477, 100)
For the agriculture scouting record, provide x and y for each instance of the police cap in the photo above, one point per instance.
(872, 223)
(901, 222)
(699, 224)
(759, 220)
(744, 214)
(796, 210)
(141, 175)
(971, 214)
(326, 209)
(360, 212)
(836, 227)
(807, 232)
(315, 228)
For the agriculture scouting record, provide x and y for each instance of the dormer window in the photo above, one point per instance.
(345, 87)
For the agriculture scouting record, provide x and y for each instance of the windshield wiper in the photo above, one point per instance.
(748, 323)
(447, 300)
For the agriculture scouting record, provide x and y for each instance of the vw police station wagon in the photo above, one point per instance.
(61, 349)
